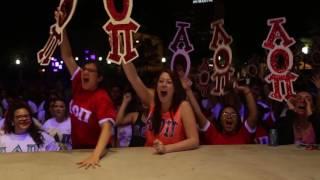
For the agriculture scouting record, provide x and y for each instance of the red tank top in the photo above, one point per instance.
(172, 129)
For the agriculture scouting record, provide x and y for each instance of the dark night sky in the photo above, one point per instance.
(25, 27)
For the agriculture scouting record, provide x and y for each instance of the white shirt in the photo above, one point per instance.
(1, 122)
(24, 143)
(61, 131)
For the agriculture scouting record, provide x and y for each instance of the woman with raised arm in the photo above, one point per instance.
(137, 119)
(91, 110)
(171, 124)
(228, 129)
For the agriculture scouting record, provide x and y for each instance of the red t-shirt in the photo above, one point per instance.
(88, 111)
(211, 135)
(172, 131)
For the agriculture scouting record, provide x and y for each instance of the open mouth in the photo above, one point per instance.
(24, 123)
(229, 123)
(163, 93)
(85, 79)
(301, 107)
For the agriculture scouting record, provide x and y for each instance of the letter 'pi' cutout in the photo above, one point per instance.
(222, 58)
(279, 61)
(120, 29)
(44, 55)
(181, 47)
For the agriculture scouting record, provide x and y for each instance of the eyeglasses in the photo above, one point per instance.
(232, 115)
(27, 116)
(89, 70)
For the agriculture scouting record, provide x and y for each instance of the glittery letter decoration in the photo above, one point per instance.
(181, 47)
(120, 29)
(203, 78)
(279, 60)
(222, 58)
(44, 55)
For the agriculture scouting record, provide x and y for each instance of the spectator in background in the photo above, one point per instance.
(301, 123)
(228, 128)
(20, 134)
(59, 126)
(136, 121)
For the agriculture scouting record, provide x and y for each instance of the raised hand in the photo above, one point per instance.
(59, 16)
(316, 80)
(242, 88)
(127, 97)
(291, 102)
(186, 83)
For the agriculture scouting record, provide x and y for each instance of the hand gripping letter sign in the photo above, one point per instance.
(279, 60)
(222, 58)
(44, 55)
(120, 25)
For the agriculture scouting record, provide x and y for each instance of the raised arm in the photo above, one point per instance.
(65, 48)
(200, 117)
(121, 118)
(251, 103)
(316, 81)
(142, 91)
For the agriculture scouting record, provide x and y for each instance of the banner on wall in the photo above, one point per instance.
(120, 29)
(44, 55)
(222, 58)
(279, 60)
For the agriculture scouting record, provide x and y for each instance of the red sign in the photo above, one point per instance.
(120, 29)
(44, 55)
(222, 58)
(279, 60)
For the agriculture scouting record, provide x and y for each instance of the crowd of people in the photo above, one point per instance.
(171, 116)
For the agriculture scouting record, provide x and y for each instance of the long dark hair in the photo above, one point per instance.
(33, 130)
(219, 123)
(178, 96)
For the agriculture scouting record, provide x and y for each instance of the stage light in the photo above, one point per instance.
(305, 49)
(18, 61)
(163, 60)
(93, 57)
